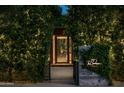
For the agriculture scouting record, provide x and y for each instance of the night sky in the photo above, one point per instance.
(64, 9)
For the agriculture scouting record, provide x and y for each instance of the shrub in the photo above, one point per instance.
(25, 35)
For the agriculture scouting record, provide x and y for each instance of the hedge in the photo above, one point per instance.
(25, 38)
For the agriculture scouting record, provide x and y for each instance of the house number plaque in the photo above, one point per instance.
(93, 63)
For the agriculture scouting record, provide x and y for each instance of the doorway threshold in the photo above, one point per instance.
(62, 65)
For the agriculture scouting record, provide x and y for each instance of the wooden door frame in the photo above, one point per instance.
(61, 33)
(68, 54)
(56, 49)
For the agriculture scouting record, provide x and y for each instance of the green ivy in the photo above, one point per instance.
(25, 37)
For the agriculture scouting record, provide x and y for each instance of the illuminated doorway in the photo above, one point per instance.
(61, 52)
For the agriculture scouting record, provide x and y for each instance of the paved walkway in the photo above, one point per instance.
(50, 84)
(61, 73)
(44, 84)
(118, 84)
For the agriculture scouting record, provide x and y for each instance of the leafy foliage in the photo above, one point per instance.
(25, 37)
(88, 25)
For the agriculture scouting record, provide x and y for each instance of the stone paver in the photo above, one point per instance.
(118, 84)
(61, 73)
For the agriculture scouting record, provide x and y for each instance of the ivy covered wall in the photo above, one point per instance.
(88, 25)
(25, 38)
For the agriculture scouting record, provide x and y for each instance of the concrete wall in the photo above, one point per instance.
(87, 77)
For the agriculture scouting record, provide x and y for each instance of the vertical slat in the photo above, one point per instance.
(76, 72)
(55, 49)
(51, 52)
(68, 49)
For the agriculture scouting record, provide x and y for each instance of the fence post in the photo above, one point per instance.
(76, 72)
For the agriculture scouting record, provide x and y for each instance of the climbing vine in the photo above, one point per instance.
(88, 25)
(25, 36)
